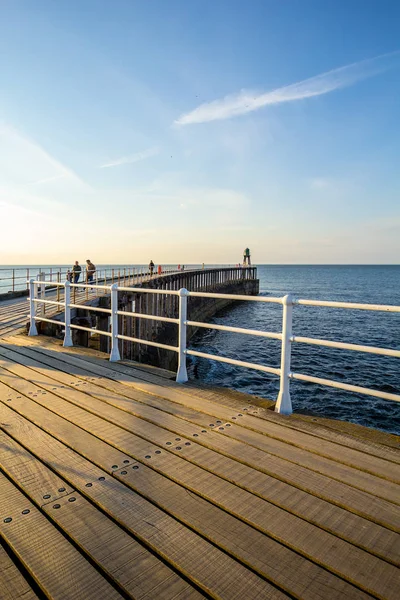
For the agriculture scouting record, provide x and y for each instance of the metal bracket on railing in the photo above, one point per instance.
(181, 375)
(114, 355)
(284, 403)
(32, 309)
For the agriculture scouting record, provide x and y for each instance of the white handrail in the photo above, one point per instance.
(283, 404)
(352, 305)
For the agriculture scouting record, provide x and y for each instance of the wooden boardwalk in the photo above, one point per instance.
(116, 482)
(14, 312)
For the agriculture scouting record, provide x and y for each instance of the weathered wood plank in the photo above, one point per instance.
(285, 568)
(367, 440)
(215, 572)
(57, 567)
(29, 474)
(132, 567)
(13, 586)
(362, 504)
(302, 441)
(303, 458)
(351, 527)
(334, 554)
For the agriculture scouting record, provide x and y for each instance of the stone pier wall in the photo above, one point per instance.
(226, 281)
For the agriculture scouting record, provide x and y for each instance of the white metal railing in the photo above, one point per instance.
(16, 279)
(283, 403)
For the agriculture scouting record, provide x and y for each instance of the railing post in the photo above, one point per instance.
(67, 314)
(58, 287)
(284, 403)
(115, 355)
(32, 326)
(43, 292)
(181, 375)
(40, 293)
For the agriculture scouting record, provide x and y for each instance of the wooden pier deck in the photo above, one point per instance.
(116, 482)
(14, 312)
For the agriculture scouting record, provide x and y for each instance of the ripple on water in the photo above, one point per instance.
(369, 284)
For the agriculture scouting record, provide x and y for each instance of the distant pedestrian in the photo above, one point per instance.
(151, 268)
(76, 272)
(90, 271)
(159, 270)
(183, 268)
(69, 276)
(202, 266)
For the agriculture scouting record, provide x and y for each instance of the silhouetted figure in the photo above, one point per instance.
(151, 268)
(76, 272)
(90, 271)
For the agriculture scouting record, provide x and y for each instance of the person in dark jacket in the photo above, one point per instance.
(76, 272)
(151, 268)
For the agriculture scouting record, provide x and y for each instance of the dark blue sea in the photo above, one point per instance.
(366, 284)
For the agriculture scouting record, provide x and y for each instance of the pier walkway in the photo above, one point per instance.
(14, 312)
(117, 482)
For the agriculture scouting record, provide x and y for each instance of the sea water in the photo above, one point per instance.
(365, 284)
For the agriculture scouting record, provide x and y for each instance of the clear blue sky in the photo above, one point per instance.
(185, 130)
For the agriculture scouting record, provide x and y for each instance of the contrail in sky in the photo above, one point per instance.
(248, 101)
(132, 158)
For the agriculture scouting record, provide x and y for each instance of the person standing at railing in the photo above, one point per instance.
(76, 272)
(151, 268)
(90, 271)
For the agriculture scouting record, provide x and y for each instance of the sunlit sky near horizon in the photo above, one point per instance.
(185, 130)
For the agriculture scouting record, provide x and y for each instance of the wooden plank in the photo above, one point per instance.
(360, 503)
(235, 399)
(13, 586)
(186, 413)
(334, 519)
(57, 567)
(212, 570)
(375, 443)
(33, 477)
(304, 458)
(333, 451)
(132, 567)
(330, 517)
(367, 434)
(294, 574)
(353, 564)
(254, 548)
(111, 549)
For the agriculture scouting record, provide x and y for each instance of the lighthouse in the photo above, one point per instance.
(246, 258)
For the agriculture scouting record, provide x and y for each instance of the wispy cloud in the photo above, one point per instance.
(247, 101)
(132, 158)
(48, 179)
(24, 161)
